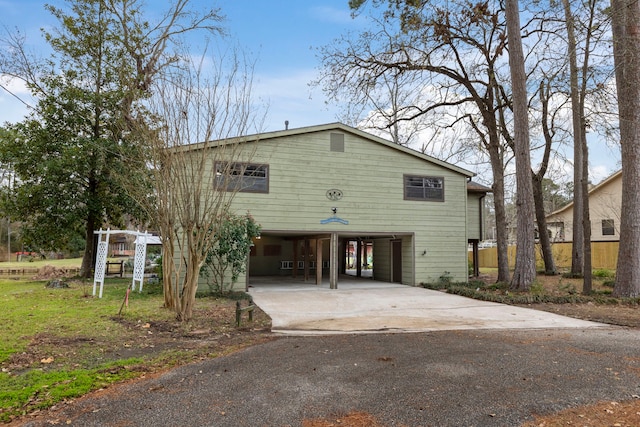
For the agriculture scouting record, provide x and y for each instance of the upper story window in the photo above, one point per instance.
(244, 177)
(430, 188)
(608, 227)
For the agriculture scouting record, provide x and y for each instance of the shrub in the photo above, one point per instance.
(445, 278)
(603, 273)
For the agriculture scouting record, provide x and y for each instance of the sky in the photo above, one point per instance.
(283, 37)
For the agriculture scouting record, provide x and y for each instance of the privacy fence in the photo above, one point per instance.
(603, 255)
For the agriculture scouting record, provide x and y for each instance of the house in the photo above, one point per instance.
(605, 202)
(333, 200)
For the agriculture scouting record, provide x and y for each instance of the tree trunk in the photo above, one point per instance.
(577, 252)
(525, 269)
(89, 249)
(169, 279)
(587, 284)
(189, 288)
(502, 232)
(626, 51)
(93, 220)
(541, 220)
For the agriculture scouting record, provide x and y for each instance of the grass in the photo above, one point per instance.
(34, 314)
(58, 344)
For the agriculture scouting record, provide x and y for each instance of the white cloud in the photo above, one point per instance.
(332, 14)
(290, 97)
(598, 173)
(13, 96)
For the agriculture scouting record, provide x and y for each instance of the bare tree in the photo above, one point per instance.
(548, 131)
(195, 150)
(625, 16)
(455, 51)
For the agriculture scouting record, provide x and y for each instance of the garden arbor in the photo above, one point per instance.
(141, 242)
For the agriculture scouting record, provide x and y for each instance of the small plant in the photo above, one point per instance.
(603, 273)
(476, 284)
(445, 278)
(537, 288)
(499, 286)
(569, 288)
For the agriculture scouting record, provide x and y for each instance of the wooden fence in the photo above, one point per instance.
(603, 255)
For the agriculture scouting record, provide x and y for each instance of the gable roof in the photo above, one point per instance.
(339, 127)
(593, 189)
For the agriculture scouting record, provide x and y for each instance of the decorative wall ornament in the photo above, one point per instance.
(334, 194)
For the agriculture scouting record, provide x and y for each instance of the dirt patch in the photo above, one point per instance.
(211, 333)
(353, 419)
(621, 315)
(619, 414)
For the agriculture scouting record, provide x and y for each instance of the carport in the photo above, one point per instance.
(321, 257)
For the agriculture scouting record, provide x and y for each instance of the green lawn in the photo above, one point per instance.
(38, 367)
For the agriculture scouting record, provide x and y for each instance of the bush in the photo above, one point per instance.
(603, 273)
(445, 278)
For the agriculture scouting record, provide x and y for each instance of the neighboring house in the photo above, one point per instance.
(605, 201)
(121, 245)
(332, 200)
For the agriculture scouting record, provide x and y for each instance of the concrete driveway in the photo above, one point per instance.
(366, 306)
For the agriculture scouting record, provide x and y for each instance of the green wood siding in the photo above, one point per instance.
(474, 216)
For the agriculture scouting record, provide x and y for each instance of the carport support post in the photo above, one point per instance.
(333, 261)
(295, 258)
(318, 261)
(359, 258)
(307, 259)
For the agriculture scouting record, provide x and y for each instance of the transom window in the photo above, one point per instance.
(244, 177)
(430, 188)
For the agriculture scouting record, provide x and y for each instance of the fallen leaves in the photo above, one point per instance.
(353, 419)
(617, 414)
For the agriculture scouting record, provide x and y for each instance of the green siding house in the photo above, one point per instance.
(334, 200)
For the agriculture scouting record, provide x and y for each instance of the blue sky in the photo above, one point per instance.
(282, 36)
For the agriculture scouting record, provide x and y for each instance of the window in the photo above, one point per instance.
(556, 231)
(245, 177)
(608, 228)
(424, 188)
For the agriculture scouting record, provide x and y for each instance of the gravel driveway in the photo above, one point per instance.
(442, 378)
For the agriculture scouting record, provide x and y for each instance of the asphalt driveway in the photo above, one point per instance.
(367, 306)
(443, 378)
